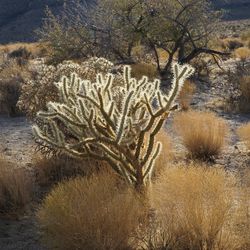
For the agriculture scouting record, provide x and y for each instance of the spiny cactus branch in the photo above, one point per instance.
(114, 123)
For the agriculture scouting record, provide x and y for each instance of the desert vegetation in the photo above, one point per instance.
(15, 188)
(191, 206)
(244, 134)
(126, 126)
(104, 212)
(203, 134)
(115, 129)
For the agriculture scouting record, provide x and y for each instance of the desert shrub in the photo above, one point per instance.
(167, 154)
(143, 69)
(40, 90)
(90, 213)
(244, 133)
(110, 122)
(186, 95)
(106, 29)
(196, 207)
(245, 36)
(245, 86)
(242, 53)
(203, 65)
(12, 75)
(202, 133)
(245, 93)
(24, 50)
(21, 52)
(9, 94)
(232, 43)
(217, 44)
(141, 54)
(15, 187)
(54, 169)
(237, 88)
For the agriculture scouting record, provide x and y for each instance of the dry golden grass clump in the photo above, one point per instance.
(203, 133)
(217, 44)
(246, 38)
(15, 188)
(90, 213)
(192, 207)
(31, 49)
(186, 95)
(144, 69)
(242, 53)
(244, 133)
(12, 75)
(50, 171)
(166, 154)
(231, 43)
(198, 208)
(244, 87)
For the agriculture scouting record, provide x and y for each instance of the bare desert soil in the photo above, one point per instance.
(16, 141)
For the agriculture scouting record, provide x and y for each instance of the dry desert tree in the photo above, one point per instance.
(117, 124)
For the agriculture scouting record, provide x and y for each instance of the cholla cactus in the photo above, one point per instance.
(117, 124)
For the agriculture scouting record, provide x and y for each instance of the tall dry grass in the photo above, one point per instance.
(231, 43)
(245, 36)
(167, 154)
(34, 49)
(202, 133)
(144, 69)
(50, 171)
(15, 188)
(242, 53)
(186, 95)
(197, 207)
(90, 213)
(244, 104)
(191, 207)
(244, 133)
(12, 75)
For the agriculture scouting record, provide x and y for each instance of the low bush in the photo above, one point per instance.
(21, 53)
(232, 43)
(192, 207)
(237, 91)
(245, 36)
(244, 133)
(24, 50)
(244, 104)
(143, 69)
(9, 94)
(186, 95)
(12, 75)
(203, 133)
(15, 188)
(242, 53)
(90, 213)
(197, 207)
(50, 171)
(39, 90)
(167, 154)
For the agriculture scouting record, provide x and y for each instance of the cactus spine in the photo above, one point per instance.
(117, 124)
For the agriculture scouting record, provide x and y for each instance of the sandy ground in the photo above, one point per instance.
(16, 142)
(17, 146)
